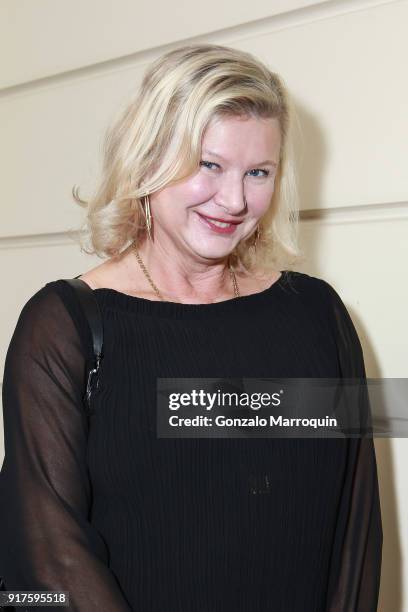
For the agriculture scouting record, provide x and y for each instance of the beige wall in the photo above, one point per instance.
(67, 65)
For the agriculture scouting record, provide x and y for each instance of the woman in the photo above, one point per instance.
(195, 213)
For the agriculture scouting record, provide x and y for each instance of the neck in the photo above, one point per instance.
(197, 280)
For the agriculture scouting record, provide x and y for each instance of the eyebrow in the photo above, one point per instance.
(264, 163)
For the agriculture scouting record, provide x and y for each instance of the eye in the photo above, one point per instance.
(206, 164)
(266, 172)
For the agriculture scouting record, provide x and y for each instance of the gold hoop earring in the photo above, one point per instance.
(148, 215)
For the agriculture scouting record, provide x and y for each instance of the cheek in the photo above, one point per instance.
(200, 189)
(180, 198)
(259, 201)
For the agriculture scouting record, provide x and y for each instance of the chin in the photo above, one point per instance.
(212, 253)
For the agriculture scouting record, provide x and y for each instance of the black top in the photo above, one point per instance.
(103, 508)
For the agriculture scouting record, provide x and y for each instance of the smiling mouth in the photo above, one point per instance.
(217, 226)
(219, 222)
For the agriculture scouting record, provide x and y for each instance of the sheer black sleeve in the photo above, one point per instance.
(355, 571)
(47, 541)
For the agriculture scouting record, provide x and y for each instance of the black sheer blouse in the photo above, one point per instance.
(100, 507)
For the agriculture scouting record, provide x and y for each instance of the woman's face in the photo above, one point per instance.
(239, 158)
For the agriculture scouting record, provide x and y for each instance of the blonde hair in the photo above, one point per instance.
(156, 140)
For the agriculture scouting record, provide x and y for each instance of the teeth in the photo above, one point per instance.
(220, 223)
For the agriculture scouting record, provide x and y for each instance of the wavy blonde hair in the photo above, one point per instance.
(156, 140)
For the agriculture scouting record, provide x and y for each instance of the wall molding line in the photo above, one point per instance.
(234, 35)
(48, 239)
(366, 213)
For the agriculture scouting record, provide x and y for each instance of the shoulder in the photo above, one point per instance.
(321, 296)
(52, 315)
(316, 295)
(41, 307)
(306, 285)
(50, 301)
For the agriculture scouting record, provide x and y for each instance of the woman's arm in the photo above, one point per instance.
(47, 541)
(355, 570)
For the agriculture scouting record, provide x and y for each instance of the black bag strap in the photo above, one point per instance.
(92, 313)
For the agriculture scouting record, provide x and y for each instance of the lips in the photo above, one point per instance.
(231, 221)
(219, 226)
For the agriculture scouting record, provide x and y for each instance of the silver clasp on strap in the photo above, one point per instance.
(92, 375)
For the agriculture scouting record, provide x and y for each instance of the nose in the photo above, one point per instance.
(231, 197)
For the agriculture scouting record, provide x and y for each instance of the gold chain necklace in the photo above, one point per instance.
(159, 295)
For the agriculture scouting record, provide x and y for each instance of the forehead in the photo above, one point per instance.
(235, 135)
